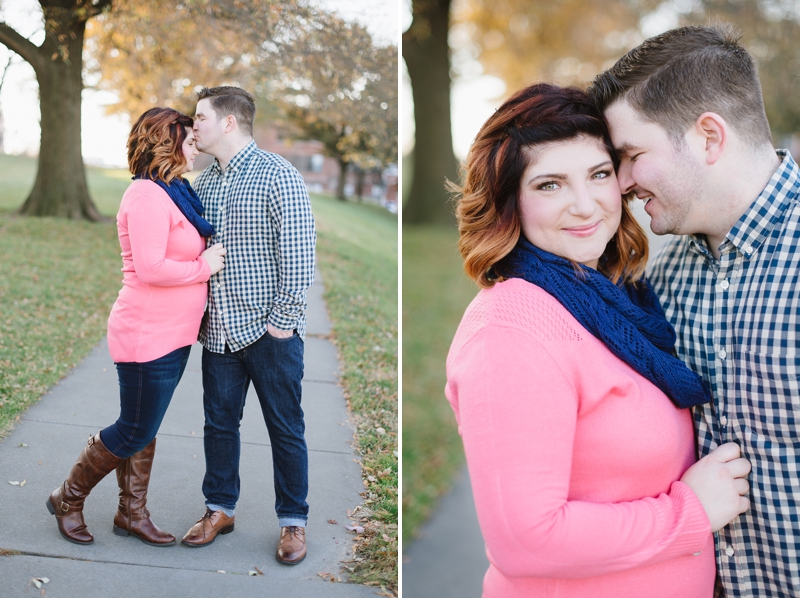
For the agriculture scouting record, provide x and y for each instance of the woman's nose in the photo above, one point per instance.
(583, 203)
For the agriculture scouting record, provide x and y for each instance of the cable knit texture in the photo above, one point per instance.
(164, 290)
(574, 459)
(628, 320)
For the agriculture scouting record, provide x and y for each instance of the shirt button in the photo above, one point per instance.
(748, 249)
(219, 285)
(724, 285)
(729, 551)
(723, 420)
(722, 354)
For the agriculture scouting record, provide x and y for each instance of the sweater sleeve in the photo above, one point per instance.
(148, 230)
(517, 415)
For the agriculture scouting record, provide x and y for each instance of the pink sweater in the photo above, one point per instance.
(164, 290)
(574, 459)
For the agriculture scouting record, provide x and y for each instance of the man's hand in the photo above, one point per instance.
(278, 333)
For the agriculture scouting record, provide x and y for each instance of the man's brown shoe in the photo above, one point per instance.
(292, 547)
(205, 531)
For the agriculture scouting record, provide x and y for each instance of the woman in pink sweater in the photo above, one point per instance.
(152, 326)
(570, 403)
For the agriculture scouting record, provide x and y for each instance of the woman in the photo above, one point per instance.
(570, 403)
(152, 325)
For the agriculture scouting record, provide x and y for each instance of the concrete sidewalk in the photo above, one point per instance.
(448, 558)
(56, 429)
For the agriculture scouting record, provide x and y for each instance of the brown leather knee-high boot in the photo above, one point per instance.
(66, 502)
(133, 476)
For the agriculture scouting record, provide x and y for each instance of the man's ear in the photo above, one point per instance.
(230, 123)
(713, 130)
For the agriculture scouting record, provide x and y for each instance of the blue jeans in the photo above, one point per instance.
(145, 391)
(275, 366)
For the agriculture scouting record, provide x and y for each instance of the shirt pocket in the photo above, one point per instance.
(768, 392)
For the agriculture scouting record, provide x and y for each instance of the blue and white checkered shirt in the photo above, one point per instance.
(738, 325)
(261, 213)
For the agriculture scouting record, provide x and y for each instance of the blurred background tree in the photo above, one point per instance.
(521, 42)
(323, 75)
(158, 52)
(60, 188)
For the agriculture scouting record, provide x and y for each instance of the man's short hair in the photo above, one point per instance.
(227, 100)
(673, 78)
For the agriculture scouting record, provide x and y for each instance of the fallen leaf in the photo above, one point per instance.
(256, 572)
(332, 521)
(13, 483)
(371, 478)
(38, 581)
(220, 571)
(386, 538)
(22, 483)
(253, 573)
(22, 444)
(380, 431)
(355, 528)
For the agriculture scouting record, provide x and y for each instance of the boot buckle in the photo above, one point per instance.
(91, 441)
(63, 506)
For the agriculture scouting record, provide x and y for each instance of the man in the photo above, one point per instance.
(255, 324)
(687, 116)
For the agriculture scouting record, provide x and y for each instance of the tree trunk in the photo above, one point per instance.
(342, 178)
(427, 57)
(360, 175)
(60, 188)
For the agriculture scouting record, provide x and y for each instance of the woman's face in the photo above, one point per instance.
(189, 150)
(570, 202)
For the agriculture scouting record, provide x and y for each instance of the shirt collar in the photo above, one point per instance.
(239, 160)
(749, 232)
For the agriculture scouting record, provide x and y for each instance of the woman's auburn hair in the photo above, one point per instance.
(487, 208)
(155, 145)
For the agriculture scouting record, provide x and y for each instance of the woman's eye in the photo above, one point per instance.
(601, 174)
(549, 186)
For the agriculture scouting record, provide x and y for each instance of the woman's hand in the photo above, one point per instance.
(215, 256)
(718, 480)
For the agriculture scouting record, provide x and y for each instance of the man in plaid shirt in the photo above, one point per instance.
(687, 117)
(255, 323)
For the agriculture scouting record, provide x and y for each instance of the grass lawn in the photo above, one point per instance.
(357, 255)
(59, 278)
(435, 294)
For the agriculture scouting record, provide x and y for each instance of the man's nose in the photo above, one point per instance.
(625, 178)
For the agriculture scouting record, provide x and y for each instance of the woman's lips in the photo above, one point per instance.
(583, 231)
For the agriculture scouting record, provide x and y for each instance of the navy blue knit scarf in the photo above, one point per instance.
(181, 192)
(629, 320)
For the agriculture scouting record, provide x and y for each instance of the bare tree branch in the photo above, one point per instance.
(22, 46)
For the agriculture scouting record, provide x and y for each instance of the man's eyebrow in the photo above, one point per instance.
(625, 149)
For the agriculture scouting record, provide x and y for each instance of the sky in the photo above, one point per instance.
(104, 136)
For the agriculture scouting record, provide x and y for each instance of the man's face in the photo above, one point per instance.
(666, 178)
(208, 129)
